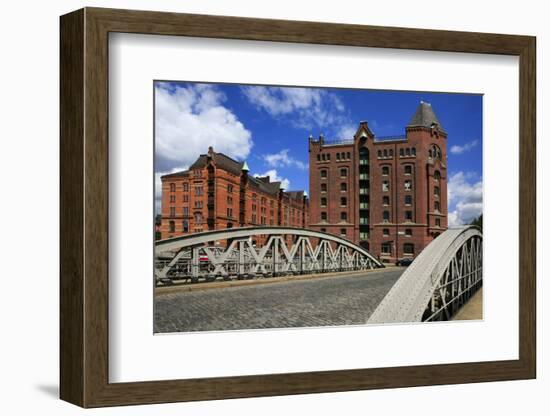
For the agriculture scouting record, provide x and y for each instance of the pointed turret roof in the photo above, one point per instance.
(424, 117)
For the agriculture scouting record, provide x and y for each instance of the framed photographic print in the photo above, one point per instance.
(324, 204)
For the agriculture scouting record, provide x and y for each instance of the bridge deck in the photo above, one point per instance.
(324, 301)
(471, 310)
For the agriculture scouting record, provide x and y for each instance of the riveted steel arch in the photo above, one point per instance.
(194, 256)
(438, 282)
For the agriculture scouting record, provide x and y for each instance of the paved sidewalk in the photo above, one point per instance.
(473, 309)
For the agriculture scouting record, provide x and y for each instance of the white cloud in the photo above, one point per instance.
(189, 119)
(466, 198)
(282, 159)
(457, 150)
(306, 108)
(274, 177)
(347, 131)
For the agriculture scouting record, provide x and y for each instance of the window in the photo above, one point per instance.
(323, 173)
(185, 210)
(172, 212)
(323, 216)
(343, 201)
(185, 226)
(344, 216)
(172, 198)
(254, 218)
(229, 189)
(328, 156)
(385, 200)
(229, 225)
(323, 187)
(407, 152)
(198, 190)
(437, 175)
(385, 186)
(337, 156)
(229, 200)
(343, 187)
(408, 185)
(438, 222)
(385, 170)
(408, 215)
(172, 225)
(323, 230)
(386, 248)
(318, 157)
(323, 202)
(386, 232)
(436, 190)
(342, 231)
(254, 197)
(386, 216)
(401, 152)
(379, 153)
(413, 151)
(408, 248)
(408, 199)
(230, 212)
(391, 152)
(408, 232)
(408, 169)
(186, 198)
(185, 187)
(385, 152)
(198, 204)
(198, 218)
(172, 187)
(348, 155)
(436, 206)
(343, 173)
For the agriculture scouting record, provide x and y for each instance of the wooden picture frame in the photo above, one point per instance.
(84, 207)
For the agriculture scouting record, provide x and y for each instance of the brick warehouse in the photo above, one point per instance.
(217, 192)
(387, 194)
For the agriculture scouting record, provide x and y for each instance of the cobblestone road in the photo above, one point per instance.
(342, 300)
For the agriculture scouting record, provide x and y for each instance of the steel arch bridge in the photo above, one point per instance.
(196, 256)
(438, 282)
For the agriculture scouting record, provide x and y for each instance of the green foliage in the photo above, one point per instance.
(478, 221)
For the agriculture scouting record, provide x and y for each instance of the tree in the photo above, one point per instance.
(478, 222)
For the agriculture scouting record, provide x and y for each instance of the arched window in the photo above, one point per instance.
(436, 190)
(435, 152)
(172, 187)
(323, 187)
(172, 225)
(386, 216)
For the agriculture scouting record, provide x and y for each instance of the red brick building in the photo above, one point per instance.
(387, 194)
(218, 193)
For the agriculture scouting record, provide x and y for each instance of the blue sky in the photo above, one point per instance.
(269, 128)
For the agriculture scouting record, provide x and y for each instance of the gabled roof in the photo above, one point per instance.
(221, 161)
(424, 117)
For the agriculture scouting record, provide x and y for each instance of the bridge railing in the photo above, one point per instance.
(286, 251)
(438, 282)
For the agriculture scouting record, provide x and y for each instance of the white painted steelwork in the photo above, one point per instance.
(197, 256)
(438, 282)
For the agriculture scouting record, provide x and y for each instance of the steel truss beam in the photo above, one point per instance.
(197, 256)
(438, 282)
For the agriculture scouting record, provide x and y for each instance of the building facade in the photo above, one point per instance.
(217, 192)
(387, 194)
